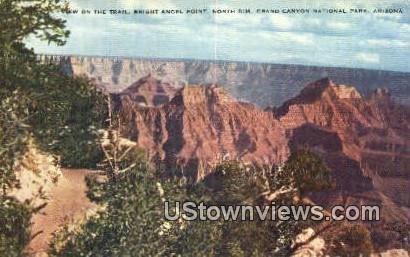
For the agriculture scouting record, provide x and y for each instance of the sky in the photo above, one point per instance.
(371, 40)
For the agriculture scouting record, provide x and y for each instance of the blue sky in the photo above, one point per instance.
(375, 41)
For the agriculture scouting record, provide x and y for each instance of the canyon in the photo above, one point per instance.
(193, 114)
(364, 142)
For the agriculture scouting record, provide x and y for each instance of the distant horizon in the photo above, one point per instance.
(270, 83)
(165, 59)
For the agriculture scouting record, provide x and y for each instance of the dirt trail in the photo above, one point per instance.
(68, 202)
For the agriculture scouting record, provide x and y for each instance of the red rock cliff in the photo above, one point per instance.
(365, 143)
(200, 125)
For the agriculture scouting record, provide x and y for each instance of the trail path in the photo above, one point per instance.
(68, 202)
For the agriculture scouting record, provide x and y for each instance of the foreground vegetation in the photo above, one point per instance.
(37, 101)
(132, 221)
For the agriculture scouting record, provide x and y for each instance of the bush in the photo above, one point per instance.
(350, 240)
(306, 171)
(14, 223)
(131, 223)
(66, 121)
(235, 184)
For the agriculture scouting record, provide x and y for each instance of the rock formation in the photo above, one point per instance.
(199, 126)
(364, 142)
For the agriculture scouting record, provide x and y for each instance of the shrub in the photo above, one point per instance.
(14, 223)
(350, 240)
(306, 171)
(131, 223)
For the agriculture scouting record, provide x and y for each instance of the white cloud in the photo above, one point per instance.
(299, 38)
(368, 57)
(280, 38)
(282, 22)
(384, 43)
(312, 21)
(237, 20)
(338, 25)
